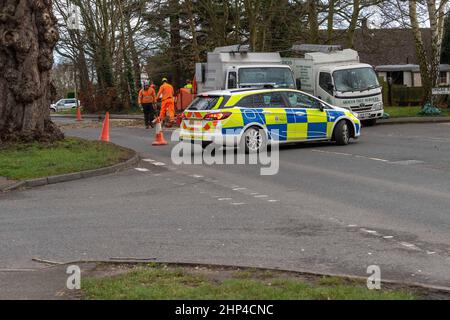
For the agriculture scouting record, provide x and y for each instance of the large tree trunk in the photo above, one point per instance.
(312, 22)
(28, 35)
(175, 43)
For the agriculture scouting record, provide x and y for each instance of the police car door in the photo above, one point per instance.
(274, 111)
(317, 119)
(297, 120)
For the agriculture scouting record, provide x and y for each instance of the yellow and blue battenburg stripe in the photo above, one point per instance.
(284, 124)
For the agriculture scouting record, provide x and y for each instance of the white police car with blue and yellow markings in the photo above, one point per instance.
(253, 118)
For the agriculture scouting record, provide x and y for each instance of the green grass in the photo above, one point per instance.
(33, 160)
(397, 112)
(166, 283)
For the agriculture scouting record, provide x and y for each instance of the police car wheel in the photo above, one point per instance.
(253, 140)
(342, 133)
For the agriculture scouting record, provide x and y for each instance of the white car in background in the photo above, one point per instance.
(64, 104)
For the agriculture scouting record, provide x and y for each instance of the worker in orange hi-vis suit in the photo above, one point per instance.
(166, 94)
(147, 99)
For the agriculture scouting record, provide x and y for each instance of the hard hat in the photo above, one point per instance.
(164, 79)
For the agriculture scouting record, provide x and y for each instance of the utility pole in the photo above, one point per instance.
(73, 24)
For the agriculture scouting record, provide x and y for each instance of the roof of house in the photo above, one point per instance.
(382, 46)
(407, 67)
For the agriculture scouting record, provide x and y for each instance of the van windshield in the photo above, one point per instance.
(358, 79)
(203, 103)
(260, 76)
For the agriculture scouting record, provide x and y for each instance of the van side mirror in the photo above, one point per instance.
(298, 83)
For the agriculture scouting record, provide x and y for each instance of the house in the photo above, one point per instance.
(391, 52)
(409, 74)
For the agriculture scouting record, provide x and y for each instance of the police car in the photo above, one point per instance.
(254, 118)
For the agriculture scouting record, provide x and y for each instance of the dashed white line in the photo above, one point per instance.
(148, 160)
(261, 196)
(141, 169)
(238, 203)
(224, 199)
(272, 200)
(159, 163)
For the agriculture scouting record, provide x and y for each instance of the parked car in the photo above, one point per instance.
(64, 104)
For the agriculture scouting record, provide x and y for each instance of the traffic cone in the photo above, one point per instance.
(159, 138)
(104, 136)
(79, 114)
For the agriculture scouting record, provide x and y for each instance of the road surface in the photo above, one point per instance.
(383, 200)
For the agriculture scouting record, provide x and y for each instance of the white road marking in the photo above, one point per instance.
(237, 189)
(223, 199)
(196, 176)
(148, 160)
(352, 225)
(368, 231)
(431, 252)
(159, 163)
(378, 159)
(388, 237)
(273, 200)
(409, 245)
(261, 196)
(141, 169)
(237, 203)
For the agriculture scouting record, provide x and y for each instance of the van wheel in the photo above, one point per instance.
(342, 133)
(253, 140)
(369, 123)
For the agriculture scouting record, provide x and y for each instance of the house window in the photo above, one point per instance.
(443, 77)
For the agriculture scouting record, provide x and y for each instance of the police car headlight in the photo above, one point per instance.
(377, 106)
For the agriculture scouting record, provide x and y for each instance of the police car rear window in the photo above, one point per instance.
(204, 103)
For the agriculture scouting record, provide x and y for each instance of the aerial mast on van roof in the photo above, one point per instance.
(316, 48)
(237, 48)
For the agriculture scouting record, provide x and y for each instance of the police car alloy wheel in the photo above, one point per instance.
(342, 133)
(253, 140)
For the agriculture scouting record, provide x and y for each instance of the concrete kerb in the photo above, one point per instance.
(404, 120)
(31, 183)
(413, 120)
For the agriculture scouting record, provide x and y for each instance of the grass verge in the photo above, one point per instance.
(159, 282)
(397, 112)
(34, 160)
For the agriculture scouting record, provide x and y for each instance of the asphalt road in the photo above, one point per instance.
(383, 200)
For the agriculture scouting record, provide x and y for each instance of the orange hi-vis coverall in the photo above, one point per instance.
(147, 96)
(167, 104)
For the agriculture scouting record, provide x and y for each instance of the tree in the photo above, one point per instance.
(429, 62)
(445, 56)
(28, 36)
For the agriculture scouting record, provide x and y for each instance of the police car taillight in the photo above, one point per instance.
(217, 116)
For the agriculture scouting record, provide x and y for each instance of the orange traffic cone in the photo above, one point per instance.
(79, 114)
(159, 138)
(104, 136)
